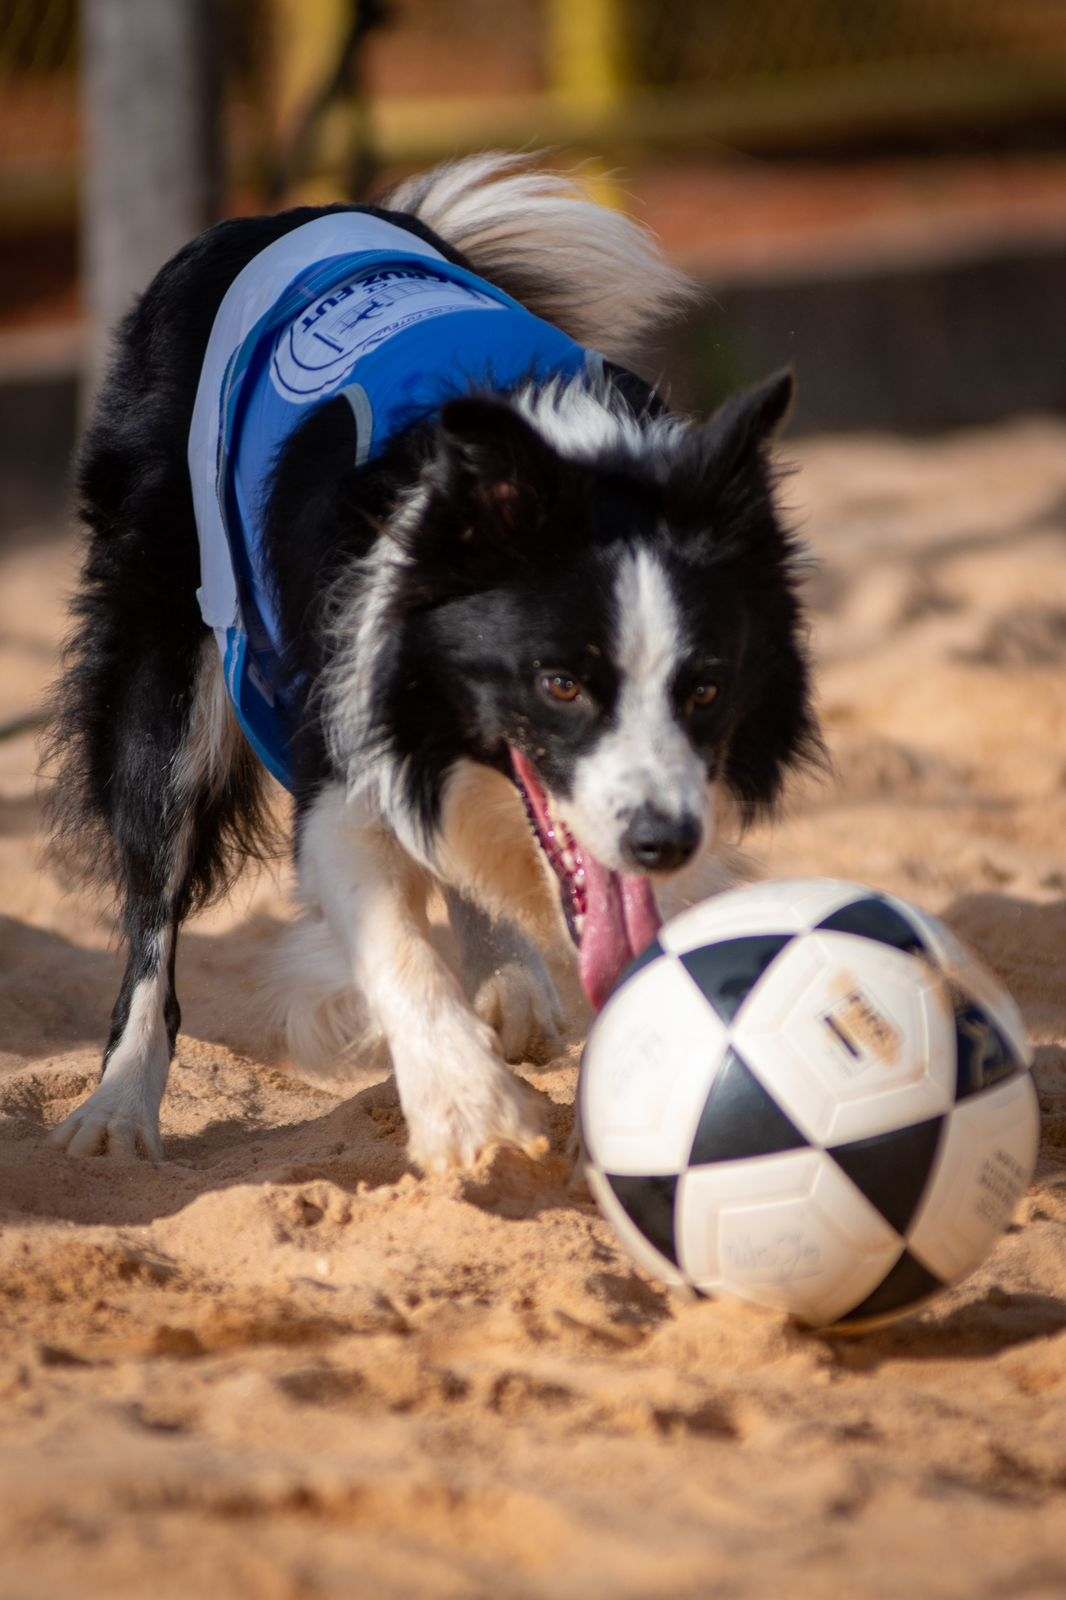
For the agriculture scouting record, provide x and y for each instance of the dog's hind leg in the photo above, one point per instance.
(507, 981)
(171, 767)
(307, 999)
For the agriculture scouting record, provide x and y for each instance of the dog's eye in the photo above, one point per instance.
(702, 695)
(560, 686)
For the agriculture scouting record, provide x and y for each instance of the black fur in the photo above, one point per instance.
(121, 707)
(512, 565)
(531, 578)
(136, 601)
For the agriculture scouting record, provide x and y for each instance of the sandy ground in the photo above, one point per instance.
(283, 1366)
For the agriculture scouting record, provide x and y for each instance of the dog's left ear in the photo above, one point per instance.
(724, 478)
(745, 423)
(735, 438)
(492, 456)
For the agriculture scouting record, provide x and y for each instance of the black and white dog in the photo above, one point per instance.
(524, 645)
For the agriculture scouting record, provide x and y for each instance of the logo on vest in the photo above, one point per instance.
(318, 350)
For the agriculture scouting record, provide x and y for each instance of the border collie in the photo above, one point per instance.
(375, 503)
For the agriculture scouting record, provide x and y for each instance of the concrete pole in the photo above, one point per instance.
(152, 169)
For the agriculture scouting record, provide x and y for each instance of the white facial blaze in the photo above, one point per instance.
(646, 758)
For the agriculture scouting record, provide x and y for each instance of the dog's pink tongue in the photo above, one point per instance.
(621, 920)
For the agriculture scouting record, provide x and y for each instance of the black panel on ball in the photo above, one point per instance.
(892, 1169)
(740, 1119)
(874, 918)
(905, 1285)
(649, 1204)
(984, 1056)
(726, 973)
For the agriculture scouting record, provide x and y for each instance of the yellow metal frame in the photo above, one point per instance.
(305, 35)
(826, 108)
(592, 105)
(586, 54)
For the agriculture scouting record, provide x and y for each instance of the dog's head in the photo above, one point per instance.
(605, 607)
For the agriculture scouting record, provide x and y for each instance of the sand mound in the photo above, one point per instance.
(281, 1365)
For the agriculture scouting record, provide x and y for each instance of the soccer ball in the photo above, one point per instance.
(812, 1096)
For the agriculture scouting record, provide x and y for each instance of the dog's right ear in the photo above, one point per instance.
(492, 460)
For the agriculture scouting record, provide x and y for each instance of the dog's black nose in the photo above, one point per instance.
(654, 842)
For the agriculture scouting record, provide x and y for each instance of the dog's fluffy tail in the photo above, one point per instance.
(592, 271)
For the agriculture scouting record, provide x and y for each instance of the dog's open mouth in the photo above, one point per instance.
(612, 916)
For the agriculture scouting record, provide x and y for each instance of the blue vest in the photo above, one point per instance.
(346, 305)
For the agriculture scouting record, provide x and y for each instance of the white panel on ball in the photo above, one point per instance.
(633, 1241)
(787, 1231)
(650, 1059)
(984, 1166)
(850, 1038)
(790, 907)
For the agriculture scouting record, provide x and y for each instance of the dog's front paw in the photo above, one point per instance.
(115, 1122)
(450, 1123)
(522, 1007)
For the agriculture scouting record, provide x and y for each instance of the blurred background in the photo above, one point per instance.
(872, 189)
